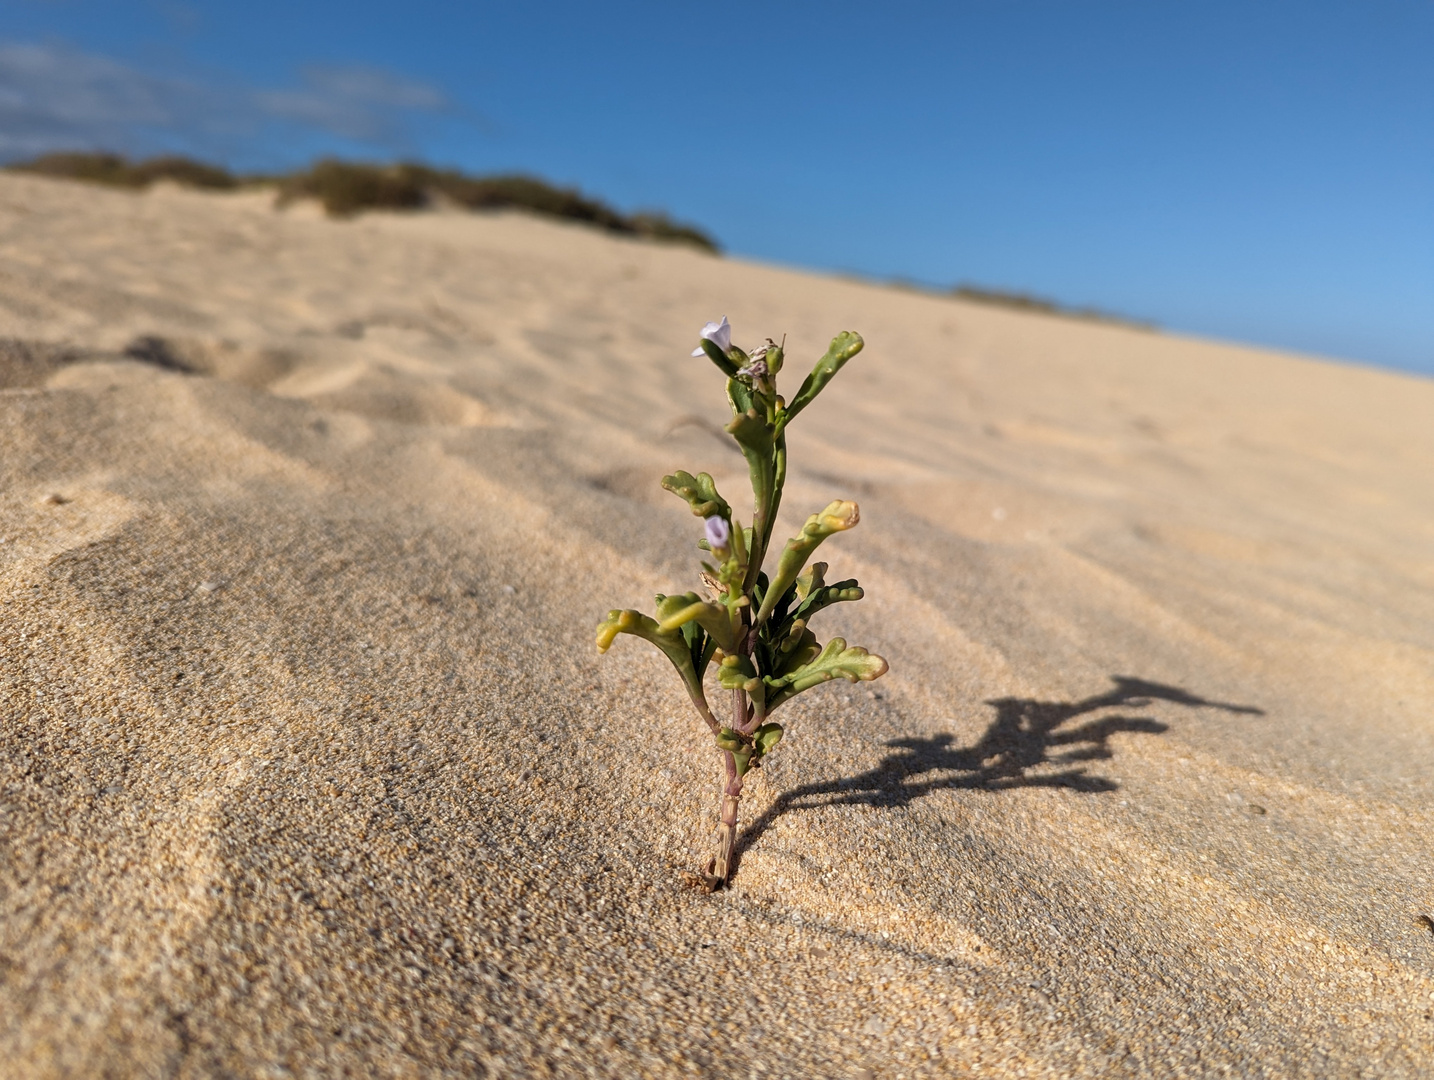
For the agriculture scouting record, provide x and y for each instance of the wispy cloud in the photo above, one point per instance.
(365, 104)
(56, 97)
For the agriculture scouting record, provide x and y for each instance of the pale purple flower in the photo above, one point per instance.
(720, 334)
(719, 533)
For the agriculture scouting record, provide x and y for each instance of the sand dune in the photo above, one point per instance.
(308, 765)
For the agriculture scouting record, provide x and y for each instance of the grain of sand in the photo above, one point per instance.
(308, 766)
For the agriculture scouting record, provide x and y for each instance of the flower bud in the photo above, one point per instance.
(719, 533)
(839, 516)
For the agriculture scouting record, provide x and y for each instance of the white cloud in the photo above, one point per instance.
(357, 103)
(54, 97)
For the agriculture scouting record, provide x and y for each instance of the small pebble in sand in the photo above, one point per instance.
(508, 590)
(211, 586)
(54, 499)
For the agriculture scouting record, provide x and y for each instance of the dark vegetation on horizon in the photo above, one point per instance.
(1019, 301)
(101, 168)
(347, 188)
(1025, 302)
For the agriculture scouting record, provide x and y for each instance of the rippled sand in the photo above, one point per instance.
(308, 766)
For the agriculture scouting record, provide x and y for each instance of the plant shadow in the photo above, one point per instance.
(1025, 734)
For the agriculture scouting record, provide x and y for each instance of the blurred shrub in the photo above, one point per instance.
(1026, 302)
(346, 188)
(182, 170)
(1003, 298)
(658, 226)
(113, 169)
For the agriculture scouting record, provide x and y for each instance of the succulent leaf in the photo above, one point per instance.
(673, 645)
(825, 596)
(796, 591)
(756, 439)
(700, 644)
(839, 516)
(766, 737)
(854, 664)
(700, 492)
(736, 672)
(795, 652)
(676, 612)
(717, 356)
(814, 578)
(729, 740)
(753, 434)
(843, 347)
(739, 396)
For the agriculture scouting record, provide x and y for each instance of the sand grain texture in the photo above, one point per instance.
(308, 766)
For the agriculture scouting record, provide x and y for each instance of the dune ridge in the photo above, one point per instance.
(308, 765)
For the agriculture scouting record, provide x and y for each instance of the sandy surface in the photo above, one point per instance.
(308, 766)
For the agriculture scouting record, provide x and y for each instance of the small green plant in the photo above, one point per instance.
(754, 627)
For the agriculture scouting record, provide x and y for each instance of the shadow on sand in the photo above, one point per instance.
(1024, 735)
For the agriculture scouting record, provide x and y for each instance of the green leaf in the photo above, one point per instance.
(737, 673)
(759, 587)
(839, 516)
(843, 347)
(797, 650)
(836, 661)
(766, 737)
(798, 589)
(700, 643)
(675, 612)
(757, 441)
(700, 492)
(718, 357)
(753, 434)
(814, 578)
(672, 644)
(729, 740)
(739, 396)
(827, 595)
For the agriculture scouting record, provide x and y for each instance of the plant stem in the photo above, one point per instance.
(719, 867)
(767, 489)
(761, 526)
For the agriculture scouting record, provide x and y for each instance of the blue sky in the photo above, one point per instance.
(1260, 172)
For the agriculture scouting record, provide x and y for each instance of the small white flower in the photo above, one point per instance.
(720, 334)
(718, 532)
